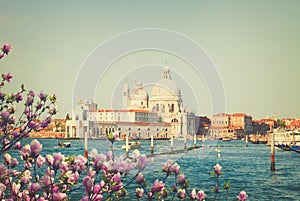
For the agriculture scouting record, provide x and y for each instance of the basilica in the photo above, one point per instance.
(160, 114)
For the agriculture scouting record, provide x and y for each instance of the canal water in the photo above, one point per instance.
(247, 168)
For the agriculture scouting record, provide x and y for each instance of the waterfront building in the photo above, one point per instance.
(230, 125)
(161, 114)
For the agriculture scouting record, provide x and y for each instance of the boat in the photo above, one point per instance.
(295, 148)
(226, 138)
(132, 145)
(284, 147)
(64, 144)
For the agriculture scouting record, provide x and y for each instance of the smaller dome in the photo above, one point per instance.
(139, 94)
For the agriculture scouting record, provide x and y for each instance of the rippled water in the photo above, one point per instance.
(247, 168)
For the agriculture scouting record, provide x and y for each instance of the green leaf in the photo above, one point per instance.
(22, 87)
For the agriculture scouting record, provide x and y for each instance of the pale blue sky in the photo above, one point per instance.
(254, 44)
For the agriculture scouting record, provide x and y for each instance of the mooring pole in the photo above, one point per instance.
(247, 140)
(86, 155)
(219, 151)
(185, 142)
(272, 152)
(195, 140)
(152, 145)
(127, 146)
(172, 143)
(203, 138)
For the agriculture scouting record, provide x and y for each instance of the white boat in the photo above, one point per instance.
(132, 145)
(64, 144)
(226, 138)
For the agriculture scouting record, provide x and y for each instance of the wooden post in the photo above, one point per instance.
(86, 155)
(219, 151)
(247, 140)
(127, 146)
(185, 142)
(172, 143)
(203, 138)
(195, 141)
(152, 145)
(272, 152)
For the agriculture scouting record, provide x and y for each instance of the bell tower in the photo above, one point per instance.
(125, 95)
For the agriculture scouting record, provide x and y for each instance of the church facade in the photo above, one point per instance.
(161, 114)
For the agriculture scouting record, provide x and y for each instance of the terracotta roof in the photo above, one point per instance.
(144, 123)
(132, 110)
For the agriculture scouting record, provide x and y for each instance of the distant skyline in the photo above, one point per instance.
(254, 46)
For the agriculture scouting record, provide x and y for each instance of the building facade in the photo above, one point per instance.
(160, 114)
(232, 126)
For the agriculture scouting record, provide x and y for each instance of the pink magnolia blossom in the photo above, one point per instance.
(193, 194)
(93, 153)
(46, 180)
(135, 154)
(98, 197)
(16, 188)
(217, 169)
(140, 178)
(6, 48)
(97, 188)
(26, 176)
(7, 158)
(18, 146)
(57, 159)
(64, 167)
(2, 188)
(142, 162)
(43, 97)
(109, 155)
(14, 162)
(73, 178)
(80, 163)
(139, 192)
(88, 184)
(5, 115)
(19, 97)
(157, 186)
(122, 165)
(40, 161)
(242, 196)
(25, 151)
(59, 196)
(49, 159)
(181, 179)
(91, 173)
(98, 160)
(35, 147)
(116, 187)
(181, 193)
(201, 195)
(169, 167)
(33, 188)
(7, 77)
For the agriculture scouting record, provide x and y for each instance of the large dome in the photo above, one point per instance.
(166, 86)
